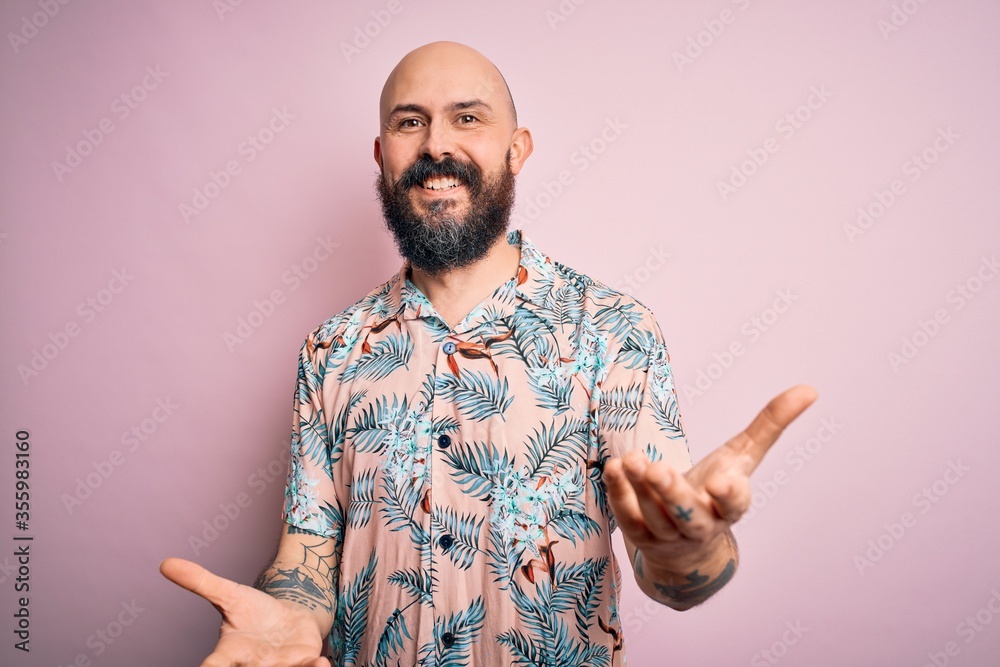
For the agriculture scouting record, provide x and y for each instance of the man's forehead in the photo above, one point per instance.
(441, 75)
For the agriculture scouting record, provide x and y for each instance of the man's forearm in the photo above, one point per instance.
(308, 584)
(685, 584)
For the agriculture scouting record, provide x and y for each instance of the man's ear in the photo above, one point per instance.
(521, 146)
(378, 153)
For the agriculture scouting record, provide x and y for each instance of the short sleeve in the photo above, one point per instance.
(638, 408)
(310, 494)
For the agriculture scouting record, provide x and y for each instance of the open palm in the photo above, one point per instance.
(257, 629)
(669, 515)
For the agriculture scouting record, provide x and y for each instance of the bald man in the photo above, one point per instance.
(468, 435)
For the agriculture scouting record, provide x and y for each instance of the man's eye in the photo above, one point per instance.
(409, 122)
(467, 118)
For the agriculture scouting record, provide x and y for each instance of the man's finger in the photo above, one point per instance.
(198, 580)
(624, 503)
(218, 660)
(648, 484)
(730, 496)
(689, 516)
(764, 430)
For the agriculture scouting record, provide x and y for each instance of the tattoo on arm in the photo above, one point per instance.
(698, 588)
(311, 583)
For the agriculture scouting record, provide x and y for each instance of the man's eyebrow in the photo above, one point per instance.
(471, 104)
(402, 108)
(457, 106)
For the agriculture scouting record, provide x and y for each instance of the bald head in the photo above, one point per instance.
(447, 71)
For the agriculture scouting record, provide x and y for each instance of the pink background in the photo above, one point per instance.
(811, 554)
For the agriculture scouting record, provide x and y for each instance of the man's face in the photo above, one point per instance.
(448, 150)
(450, 233)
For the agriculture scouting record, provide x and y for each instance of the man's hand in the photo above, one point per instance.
(257, 629)
(679, 524)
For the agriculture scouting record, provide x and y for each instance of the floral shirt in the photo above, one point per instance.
(459, 470)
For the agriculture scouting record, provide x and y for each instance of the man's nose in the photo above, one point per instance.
(439, 141)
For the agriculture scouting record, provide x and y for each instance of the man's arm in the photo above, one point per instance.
(682, 586)
(304, 575)
(284, 618)
(677, 525)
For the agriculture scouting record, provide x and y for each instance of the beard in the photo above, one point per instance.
(442, 240)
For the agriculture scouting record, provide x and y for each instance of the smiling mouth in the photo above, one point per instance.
(443, 183)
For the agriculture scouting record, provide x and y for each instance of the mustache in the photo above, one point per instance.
(424, 168)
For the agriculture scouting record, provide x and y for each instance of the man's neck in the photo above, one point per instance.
(456, 292)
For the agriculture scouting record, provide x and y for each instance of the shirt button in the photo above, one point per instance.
(450, 347)
(444, 441)
(448, 639)
(446, 541)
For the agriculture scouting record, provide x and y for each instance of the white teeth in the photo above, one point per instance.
(440, 183)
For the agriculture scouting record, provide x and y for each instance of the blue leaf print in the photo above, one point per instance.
(547, 628)
(359, 510)
(370, 432)
(562, 447)
(399, 505)
(586, 604)
(550, 642)
(668, 417)
(475, 467)
(617, 319)
(551, 381)
(354, 602)
(340, 425)
(392, 638)
(574, 525)
(475, 394)
(566, 305)
(313, 438)
(445, 424)
(619, 408)
(463, 628)
(527, 331)
(465, 529)
(502, 557)
(386, 356)
(595, 474)
(398, 432)
(523, 648)
(415, 582)
(636, 349)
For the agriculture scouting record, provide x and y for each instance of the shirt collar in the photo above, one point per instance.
(533, 283)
